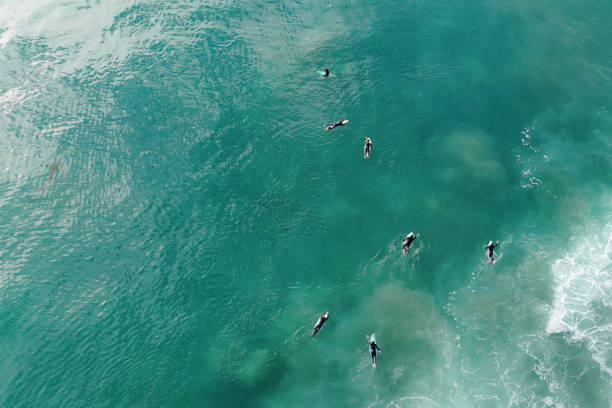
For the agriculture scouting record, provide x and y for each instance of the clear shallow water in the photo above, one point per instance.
(174, 218)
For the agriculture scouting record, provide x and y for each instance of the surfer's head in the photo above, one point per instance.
(326, 315)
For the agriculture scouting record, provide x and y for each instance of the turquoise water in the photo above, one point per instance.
(175, 218)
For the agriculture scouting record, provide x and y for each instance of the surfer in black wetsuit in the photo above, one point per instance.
(490, 247)
(407, 242)
(367, 147)
(320, 323)
(326, 73)
(373, 348)
(330, 126)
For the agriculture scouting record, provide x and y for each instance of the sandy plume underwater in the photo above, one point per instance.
(175, 217)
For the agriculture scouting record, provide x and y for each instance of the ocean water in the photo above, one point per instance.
(174, 218)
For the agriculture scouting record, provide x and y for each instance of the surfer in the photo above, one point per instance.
(490, 247)
(407, 242)
(367, 147)
(373, 348)
(320, 323)
(330, 126)
(325, 73)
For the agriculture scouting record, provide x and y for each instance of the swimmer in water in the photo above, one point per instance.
(490, 247)
(320, 323)
(373, 348)
(367, 147)
(407, 242)
(330, 126)
(325, 73)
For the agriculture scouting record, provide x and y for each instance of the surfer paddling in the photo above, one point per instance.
(373, 348)
(320, 323)
(407, 242)
(490, 247)
(367, 147)
(325, 73)
(331, 126)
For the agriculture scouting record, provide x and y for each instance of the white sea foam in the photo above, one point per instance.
(6, 37)
(10, 98)
(583, 296)
(413, 401)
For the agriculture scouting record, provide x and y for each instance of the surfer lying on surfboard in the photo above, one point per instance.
(373, 348)
(330, 126)
(407, 242)
(320, 323)
(324, 73)
(490, 247)
(367, 147)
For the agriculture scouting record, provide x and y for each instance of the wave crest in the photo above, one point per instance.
(582, 305)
